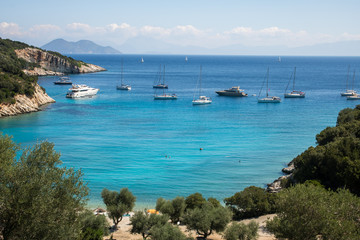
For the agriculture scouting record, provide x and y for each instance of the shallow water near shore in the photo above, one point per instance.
(126, 139)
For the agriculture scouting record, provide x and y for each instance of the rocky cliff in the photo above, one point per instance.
(52, 63)
(24, 104)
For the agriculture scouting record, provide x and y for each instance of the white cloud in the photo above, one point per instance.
(9, 29)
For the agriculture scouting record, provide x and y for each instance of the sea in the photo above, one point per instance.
(127, 139)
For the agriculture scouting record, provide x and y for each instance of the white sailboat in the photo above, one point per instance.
(157, 82)
(123, 86)
(142, 60)
(279, 59)
(202, 99)
(349, 92)
(294, 93)
(186, 59)
(164, 95)
(354, 96)
(268, 99)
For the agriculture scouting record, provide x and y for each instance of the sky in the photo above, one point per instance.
(202, 23)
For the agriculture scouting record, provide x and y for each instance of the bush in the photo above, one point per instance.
(241, 231)
(173, 208)
(312, 212)
(251, 202)
(93, 227)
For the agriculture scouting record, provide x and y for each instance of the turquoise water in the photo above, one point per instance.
(126, 139)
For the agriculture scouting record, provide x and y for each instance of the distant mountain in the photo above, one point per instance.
(79, 47)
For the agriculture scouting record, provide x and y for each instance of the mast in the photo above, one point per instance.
(267, 83)
(122, 69)
(164, 81)
(347, 78)
(294, 79)
(200, 79)
(353, 81)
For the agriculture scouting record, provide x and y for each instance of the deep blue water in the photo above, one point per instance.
(126, 139)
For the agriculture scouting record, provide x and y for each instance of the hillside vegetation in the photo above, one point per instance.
(12, 79)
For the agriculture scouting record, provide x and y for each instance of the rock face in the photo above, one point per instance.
(52, 64)
(276, 186)
(25, 104)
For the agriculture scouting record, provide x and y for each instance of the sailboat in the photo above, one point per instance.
(142, 60)
(279, 59)
(293, 93)
(164, 96)
(160, 84)
(354, 96)
(268, 99)
(123, 86)
(349, 92)
(186, 59)
(202, 99)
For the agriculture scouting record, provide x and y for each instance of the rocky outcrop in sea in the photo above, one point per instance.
(25, 104)
(52, 64)
(277, 185)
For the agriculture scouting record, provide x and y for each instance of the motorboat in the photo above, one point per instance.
(348, 93)
(354, 97)
(63, 81)
(232, 92)
(81, 90)
(202, 100)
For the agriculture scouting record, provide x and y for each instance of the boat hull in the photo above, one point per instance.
(127, 88)
(357, 97)
(165, 97)
(231, 94)
(288, 95)
(269, 100)
(160, 86)
(62, 83)
(347, 94)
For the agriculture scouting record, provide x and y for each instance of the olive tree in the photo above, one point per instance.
(166, 232)
(207, 218)
(118, 203)
(141, 223)
(39, 199)
(173, 208)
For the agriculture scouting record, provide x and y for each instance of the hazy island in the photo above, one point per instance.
(20, 64)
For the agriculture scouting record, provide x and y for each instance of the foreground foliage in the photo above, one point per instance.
(39, 199)
(93, 227)
(335, 162)
(307, 211)
(117, 204)
(251, 202)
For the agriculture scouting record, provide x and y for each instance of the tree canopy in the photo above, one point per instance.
(117, 204)
(308, 211)
(173, 208)
(39, 199)
(335, 162)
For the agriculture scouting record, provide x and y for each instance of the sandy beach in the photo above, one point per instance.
(123, 231)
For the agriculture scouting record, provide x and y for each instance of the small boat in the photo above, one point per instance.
(279, 59)
(123, 86)
(80, 91)
(353, 97)
(63, 81)
(160, 80)
(293, 93)
(349, 92)
(202, 100)
(232, 92)
(164, 96)
(268, 99)
(142, 60)
(186, 59)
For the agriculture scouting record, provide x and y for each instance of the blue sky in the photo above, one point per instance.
(197, 23)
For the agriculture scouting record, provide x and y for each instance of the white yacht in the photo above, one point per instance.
(349, 92)
(202, 99)
(293, 93)
(232, 92)
(165, 97)
(80, 91)
(268, 99)
(353, 97)
(123, 86)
